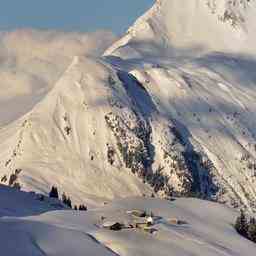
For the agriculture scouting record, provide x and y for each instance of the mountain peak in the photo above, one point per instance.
(189, 27)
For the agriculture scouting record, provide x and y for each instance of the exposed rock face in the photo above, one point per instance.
(233, 11)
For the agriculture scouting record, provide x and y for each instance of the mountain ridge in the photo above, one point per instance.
(174, 28)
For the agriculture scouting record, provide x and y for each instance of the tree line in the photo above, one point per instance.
(65, 199)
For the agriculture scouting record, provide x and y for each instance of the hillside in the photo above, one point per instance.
(206, 229)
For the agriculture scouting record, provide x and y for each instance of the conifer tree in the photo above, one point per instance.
(64, 198)
(69, 203)
(241, 225)
(252, 230)
(54, 192)
(82, 207)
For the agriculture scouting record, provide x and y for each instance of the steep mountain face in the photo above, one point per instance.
(196, 61)
(161, 112)
(65, 139)
(98, 135)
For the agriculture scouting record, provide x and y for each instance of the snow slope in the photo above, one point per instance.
(207, 230)
(21, 234)
(16, 203)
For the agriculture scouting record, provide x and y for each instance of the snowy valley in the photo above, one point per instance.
(205, 227)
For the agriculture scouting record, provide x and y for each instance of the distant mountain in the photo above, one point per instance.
(169, 109)
(190, 28)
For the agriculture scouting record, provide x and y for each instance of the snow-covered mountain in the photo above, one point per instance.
(190, 28)
(169, 109)
(196, 61)
(65, 140)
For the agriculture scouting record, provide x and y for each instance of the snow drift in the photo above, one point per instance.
(206, 229)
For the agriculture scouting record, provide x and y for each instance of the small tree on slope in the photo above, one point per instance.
(69, 203)
(66, 200)
(54, 193)
(241, 225)
(252, 230)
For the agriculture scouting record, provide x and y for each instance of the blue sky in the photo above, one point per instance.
(80, 15)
